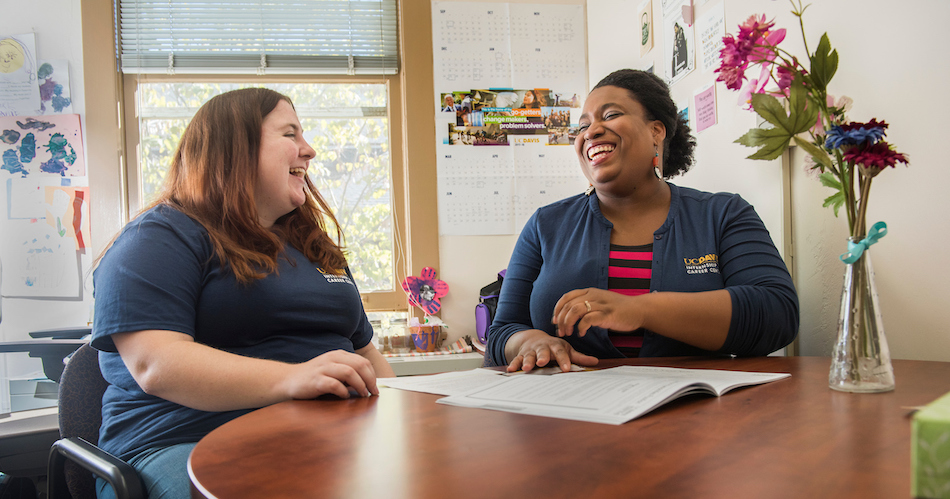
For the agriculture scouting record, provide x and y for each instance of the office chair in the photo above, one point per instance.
(75, 458)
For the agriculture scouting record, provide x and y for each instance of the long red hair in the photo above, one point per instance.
(212, 179)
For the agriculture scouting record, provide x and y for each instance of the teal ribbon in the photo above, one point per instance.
(855, 249)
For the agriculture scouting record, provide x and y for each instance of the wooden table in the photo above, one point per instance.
(791, 438)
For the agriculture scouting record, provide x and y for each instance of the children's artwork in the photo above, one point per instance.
(38, 262)
(19, 92)
(67, 211)
(54, 87)
(425, 291)
(41, 145)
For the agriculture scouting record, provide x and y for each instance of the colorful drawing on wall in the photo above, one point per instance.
(19, 92)
(42, 145)
(54, 87)
(38, 262)
(67, 211)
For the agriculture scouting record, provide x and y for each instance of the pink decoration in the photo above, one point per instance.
(425, 291)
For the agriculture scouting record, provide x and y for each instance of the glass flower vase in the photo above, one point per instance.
(860, 361)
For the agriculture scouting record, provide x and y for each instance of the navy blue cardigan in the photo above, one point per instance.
(708, 242)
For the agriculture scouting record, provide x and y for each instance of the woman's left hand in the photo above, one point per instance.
(597, 307)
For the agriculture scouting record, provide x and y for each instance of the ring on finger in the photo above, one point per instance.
(588, 305)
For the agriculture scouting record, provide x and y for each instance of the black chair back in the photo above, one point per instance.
(80, 412)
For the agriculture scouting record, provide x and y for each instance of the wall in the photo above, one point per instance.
(887, 65)
(888, 53)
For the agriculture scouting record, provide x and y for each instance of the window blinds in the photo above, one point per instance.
(256, 36)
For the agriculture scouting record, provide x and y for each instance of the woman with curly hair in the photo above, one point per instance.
(636, 265)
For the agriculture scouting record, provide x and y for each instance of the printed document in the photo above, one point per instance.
(611, 396)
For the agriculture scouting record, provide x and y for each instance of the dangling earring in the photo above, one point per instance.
(656, 163)
(589, 190)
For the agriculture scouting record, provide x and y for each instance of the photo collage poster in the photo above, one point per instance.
(509, 79)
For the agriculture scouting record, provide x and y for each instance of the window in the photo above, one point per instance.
(348, 126)
(177, 54)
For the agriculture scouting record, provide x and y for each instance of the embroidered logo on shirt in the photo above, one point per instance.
(333, 277)
(702, 265)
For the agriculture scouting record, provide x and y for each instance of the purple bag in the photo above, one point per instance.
(485, 310)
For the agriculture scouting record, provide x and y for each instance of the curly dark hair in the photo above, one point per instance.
(654, 95)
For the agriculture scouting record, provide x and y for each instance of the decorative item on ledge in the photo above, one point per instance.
(842, 153)
(425, 292)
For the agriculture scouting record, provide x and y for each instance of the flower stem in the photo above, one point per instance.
(860, 225)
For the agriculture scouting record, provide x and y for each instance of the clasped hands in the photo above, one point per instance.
(575, 313)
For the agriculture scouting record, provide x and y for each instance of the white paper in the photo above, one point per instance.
(452, 383)
(19, 91)
(611, 396)
(711, 27)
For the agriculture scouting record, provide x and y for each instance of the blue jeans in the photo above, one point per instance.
(164, 471)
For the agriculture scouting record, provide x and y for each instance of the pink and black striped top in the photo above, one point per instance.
(630, 269)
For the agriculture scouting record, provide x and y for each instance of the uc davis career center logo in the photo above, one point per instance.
(334, 277)
(702, 265)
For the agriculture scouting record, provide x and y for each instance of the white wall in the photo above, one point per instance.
(58, 33)
(891, 65)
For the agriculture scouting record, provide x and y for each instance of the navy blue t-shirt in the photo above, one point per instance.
(162, 273)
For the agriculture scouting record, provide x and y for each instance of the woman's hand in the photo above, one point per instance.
(597, 307)
(335, 372)
(701, 319)
(534, 348)
(171, 365)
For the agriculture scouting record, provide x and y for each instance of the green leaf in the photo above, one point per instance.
(802, 117)
(836, 201)
(817, 153)
(771, 142)
(769, 108)
(828, 179)
(824, 64)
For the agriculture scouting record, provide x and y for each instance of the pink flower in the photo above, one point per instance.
(755, 86)
(732, 76)
(755, 44)
(785, 77)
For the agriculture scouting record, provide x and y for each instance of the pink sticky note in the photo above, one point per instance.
(705, 104)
